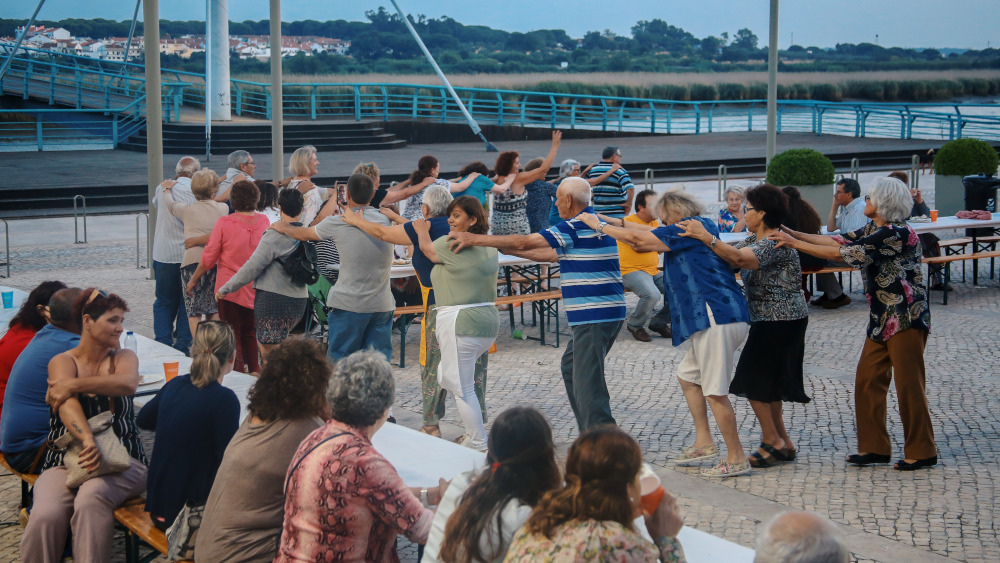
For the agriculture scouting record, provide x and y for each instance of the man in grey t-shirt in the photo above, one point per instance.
(362, 302)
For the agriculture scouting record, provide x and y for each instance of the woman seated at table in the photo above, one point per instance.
(194, 418)
(481, 510)
(337, 466)
(732, 217)
(591, 518)
(95, 377)
(279, 300)
(466, 317)
(286, 404)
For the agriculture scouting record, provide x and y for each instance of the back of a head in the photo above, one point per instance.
(362, 389)
(29, 314)
(213, 345)
(244, 195)
(369, 169)
(293, 382)
(534, 164)
(361, 188)
(204, 184)
(290, 202)
(61, 310)
(187, 166)
(802, 216)
(579, 190)
(268, 195)
(608, 152)
(437, 198)
(678, 199)
(801, 537)
(901, 176)
(474, 166)
(425, 166)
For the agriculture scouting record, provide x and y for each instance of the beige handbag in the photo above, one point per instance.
(114, 456)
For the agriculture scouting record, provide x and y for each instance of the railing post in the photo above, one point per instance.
(239, 99)
(357, 103)
(524, 104)
(572, 113)
(914, 177)
(750, 116)
(444, 105)
(819, 121)
(604, 115)
(855, 168)
(670, 117)
(114, 131)
(652, 117)
(76, 233)
(500, 105)
(647, 178)
(723, 180)
(38, 131)
(79, 93)
(711, 112)
(552, 111)
(267, 103)
(778, 125)
(6, 237)
(52, 85)
(697, 119)
(139, 246)
(385, 103)
(312, 103)
(621, 115)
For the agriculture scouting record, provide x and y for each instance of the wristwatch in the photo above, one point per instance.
(714, 240)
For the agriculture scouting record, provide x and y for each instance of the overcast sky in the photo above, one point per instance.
(902, 23)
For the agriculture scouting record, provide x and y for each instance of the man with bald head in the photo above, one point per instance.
(592, 290)
(25, 421)
(170, 324)
(801, 537)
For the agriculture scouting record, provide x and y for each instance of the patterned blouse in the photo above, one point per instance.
(345, 502)
(889, 260)
(412, 206)
(510, 214)
(774, 291)
(727, 221)
(589, 540)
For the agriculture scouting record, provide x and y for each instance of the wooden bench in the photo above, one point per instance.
(545, 303)
(957, 246)
(405, 315)
(945, 262)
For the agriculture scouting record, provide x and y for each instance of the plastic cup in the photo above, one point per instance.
(8, 299)
(170, 369)
(650, 489)
(519, 335)
(934, 215)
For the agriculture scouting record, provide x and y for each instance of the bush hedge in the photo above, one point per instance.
(964, 157)
(800, 167)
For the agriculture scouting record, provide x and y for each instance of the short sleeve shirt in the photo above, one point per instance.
(465, 278)
(478, 189)
(774, 290)
(422, 265)
(365, 264)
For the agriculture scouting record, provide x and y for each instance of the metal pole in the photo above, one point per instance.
(218, 59)
(154, 114)
(10, 57)
(468, 117)
(277, 115)
(772, 82)
(208, 80)
(131, 31)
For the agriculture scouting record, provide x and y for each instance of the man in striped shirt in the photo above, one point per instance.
(613, 195)
(593, 295)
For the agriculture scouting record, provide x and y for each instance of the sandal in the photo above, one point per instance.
(789, 453)
(759, 462)
(432, 429)
(725, 469)
(774, 452)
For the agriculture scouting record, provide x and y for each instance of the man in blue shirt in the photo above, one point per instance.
(593, 295)
(25, 422)
(612, 195)
(847, 214)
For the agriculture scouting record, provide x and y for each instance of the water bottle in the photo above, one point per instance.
(131, 343)
(519, 335)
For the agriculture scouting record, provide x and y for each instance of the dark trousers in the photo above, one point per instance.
(583, 372)
(241, 319)
(170, 323)
(22, 462)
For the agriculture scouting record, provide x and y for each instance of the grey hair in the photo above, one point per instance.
(187, 166)
(678, 199)
(801, 537)
(738, 190)
(298, 164)
(608, 152)
(892, 199)
(579, 190)
(238, 158)
(361, 388)
(437, 198)
(567, 166)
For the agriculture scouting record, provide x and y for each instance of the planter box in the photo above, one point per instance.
(949, 194)
(820, 196)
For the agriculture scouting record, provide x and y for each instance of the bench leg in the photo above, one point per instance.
(404, 326)
(947, 281)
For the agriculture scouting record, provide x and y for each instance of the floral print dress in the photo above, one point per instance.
(591, 540)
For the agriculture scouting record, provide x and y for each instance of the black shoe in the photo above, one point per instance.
(902, 465)
(838, 302)
(666, 331)
(819, 301)
(868, 459)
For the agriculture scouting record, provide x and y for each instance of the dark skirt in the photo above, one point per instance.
(770, 367)
(202, 301)
(275, 314)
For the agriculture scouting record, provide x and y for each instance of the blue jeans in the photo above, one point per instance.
(350, 332)
(170, 323)
(648, 288)
(583, 372)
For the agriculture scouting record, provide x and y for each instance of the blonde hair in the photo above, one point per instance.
(213, 346)
(298, 165)
(680, 200)
(369, 169)
(204, 184)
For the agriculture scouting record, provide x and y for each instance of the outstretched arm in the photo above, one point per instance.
(825, 251)
(540, 172)
(598, 179)
(640, 241)
(297, 233)
(395, 234)
(742, 258)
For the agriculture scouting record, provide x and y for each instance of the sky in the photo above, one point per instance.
(962, 24)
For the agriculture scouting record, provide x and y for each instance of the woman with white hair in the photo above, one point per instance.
(732, 217)
(888, 253)
(303, 165)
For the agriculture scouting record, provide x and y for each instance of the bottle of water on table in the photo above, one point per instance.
(131, 343)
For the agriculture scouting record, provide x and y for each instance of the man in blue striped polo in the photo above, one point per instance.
(612, 195)
(593, 295)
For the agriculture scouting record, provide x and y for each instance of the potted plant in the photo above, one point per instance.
(955, 160)
(808, 170)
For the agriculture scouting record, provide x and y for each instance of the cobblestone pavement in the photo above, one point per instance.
(946, 513)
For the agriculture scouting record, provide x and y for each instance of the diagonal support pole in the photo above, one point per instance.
(27, 26)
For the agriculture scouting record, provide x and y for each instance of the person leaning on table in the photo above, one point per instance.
(887, 251)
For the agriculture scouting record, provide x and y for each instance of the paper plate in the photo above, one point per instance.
(150, 379)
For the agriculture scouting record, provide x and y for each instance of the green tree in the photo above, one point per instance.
(745, 39)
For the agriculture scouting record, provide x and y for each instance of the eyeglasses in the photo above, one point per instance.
(868, 198)
(748, 208)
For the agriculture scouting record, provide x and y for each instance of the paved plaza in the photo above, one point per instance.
(945, 513)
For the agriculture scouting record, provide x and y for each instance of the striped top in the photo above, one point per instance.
(610, 195)
(591, 276)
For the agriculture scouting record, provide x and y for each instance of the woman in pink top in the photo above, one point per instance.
(230, 245)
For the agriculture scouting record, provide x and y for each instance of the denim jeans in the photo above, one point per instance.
(648, 288)
(350, 332)
(583, 372)
(170, 322)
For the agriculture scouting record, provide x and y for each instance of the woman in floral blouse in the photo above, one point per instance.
(732, 217)
(592, 517)
(887, 252)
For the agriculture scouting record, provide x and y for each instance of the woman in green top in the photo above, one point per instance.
(466, 316)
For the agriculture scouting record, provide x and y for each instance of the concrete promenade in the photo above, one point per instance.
(945, 513)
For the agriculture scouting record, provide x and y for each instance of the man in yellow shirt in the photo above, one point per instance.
(642, 276)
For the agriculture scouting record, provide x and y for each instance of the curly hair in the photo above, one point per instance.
(474, 166)
(244, 196)
(29, 315)
(94, 302)
(601, 464)
(505, 163)
(471, 207)
(361, 389)
(293, 382)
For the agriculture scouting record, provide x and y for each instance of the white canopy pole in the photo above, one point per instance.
(772, 83)
(277, 117)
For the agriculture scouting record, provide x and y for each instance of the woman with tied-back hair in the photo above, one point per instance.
(97, 376)
(303, 165)
(286, 404)
(482, 509)
(510, 216)
(591, 518)
(426, 174)
(194, 418)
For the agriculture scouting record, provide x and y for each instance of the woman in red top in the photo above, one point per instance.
(230, 245)
(34, 314)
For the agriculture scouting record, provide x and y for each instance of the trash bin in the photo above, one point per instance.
(980, 193)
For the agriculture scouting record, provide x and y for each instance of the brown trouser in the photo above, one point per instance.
(902, 355)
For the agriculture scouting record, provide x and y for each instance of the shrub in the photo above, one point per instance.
(704, 92)
(825, 92)
(963, 157)
(732, 91)
(800, 167)
(757, 91)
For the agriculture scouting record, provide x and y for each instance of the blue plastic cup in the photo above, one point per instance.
(8, 299)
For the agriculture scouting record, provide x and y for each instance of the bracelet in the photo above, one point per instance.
(714, 240)
(423, 497)
(600, 227)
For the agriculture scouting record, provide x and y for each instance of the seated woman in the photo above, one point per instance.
(194, 418)
(465, 315)
(279, 301)
(94, 377)
(592, 517)
(732, 217)
(481, 510)
(337, 466)
(286, 404)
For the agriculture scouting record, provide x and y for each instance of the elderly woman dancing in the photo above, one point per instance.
(887, 252)
(770, 367)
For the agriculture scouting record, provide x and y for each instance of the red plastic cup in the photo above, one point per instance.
(934, 215)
